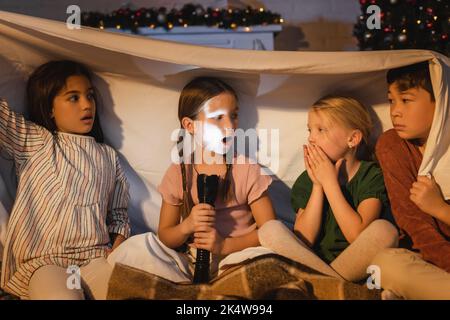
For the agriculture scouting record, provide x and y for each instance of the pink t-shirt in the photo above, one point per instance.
(234, 218)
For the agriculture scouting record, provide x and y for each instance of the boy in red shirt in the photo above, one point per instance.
(418, 206)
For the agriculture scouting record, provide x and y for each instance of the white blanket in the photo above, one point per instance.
(146, 252)
(140, 80)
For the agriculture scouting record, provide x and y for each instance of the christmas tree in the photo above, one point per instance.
(404, 24)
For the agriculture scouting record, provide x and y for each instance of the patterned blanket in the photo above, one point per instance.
(265, 277)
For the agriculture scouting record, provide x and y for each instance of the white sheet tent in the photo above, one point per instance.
(140, 80)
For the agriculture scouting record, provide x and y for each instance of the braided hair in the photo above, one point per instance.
(192, 98)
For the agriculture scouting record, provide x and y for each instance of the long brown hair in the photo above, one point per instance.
(192, 98)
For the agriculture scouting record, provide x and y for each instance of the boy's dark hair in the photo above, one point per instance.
(412, 76)
(43, 86)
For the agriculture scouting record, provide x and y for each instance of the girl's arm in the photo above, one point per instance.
(117, 216)
(262, 211)
(207, 237)
(351, 222)
(309, 220)
(235, 244)
(173, 233)
(170, 231)
(18, 137)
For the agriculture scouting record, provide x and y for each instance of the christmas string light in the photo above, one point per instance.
(188, 15)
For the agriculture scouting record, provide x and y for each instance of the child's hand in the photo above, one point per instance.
(308, 167)
(321, 166)
(206, 237)
(425, 193)
(117, 240)
(201, 215)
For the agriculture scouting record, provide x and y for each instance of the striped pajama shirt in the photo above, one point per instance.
(71, 194)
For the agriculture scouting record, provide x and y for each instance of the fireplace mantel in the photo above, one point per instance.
(253, 38)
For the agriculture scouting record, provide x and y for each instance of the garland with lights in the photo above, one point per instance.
(406, 24)
(189, 15)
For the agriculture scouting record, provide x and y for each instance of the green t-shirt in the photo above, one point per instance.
(367, 183)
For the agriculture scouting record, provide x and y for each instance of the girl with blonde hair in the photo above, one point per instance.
(340, 199)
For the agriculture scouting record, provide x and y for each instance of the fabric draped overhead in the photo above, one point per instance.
(140, 80)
